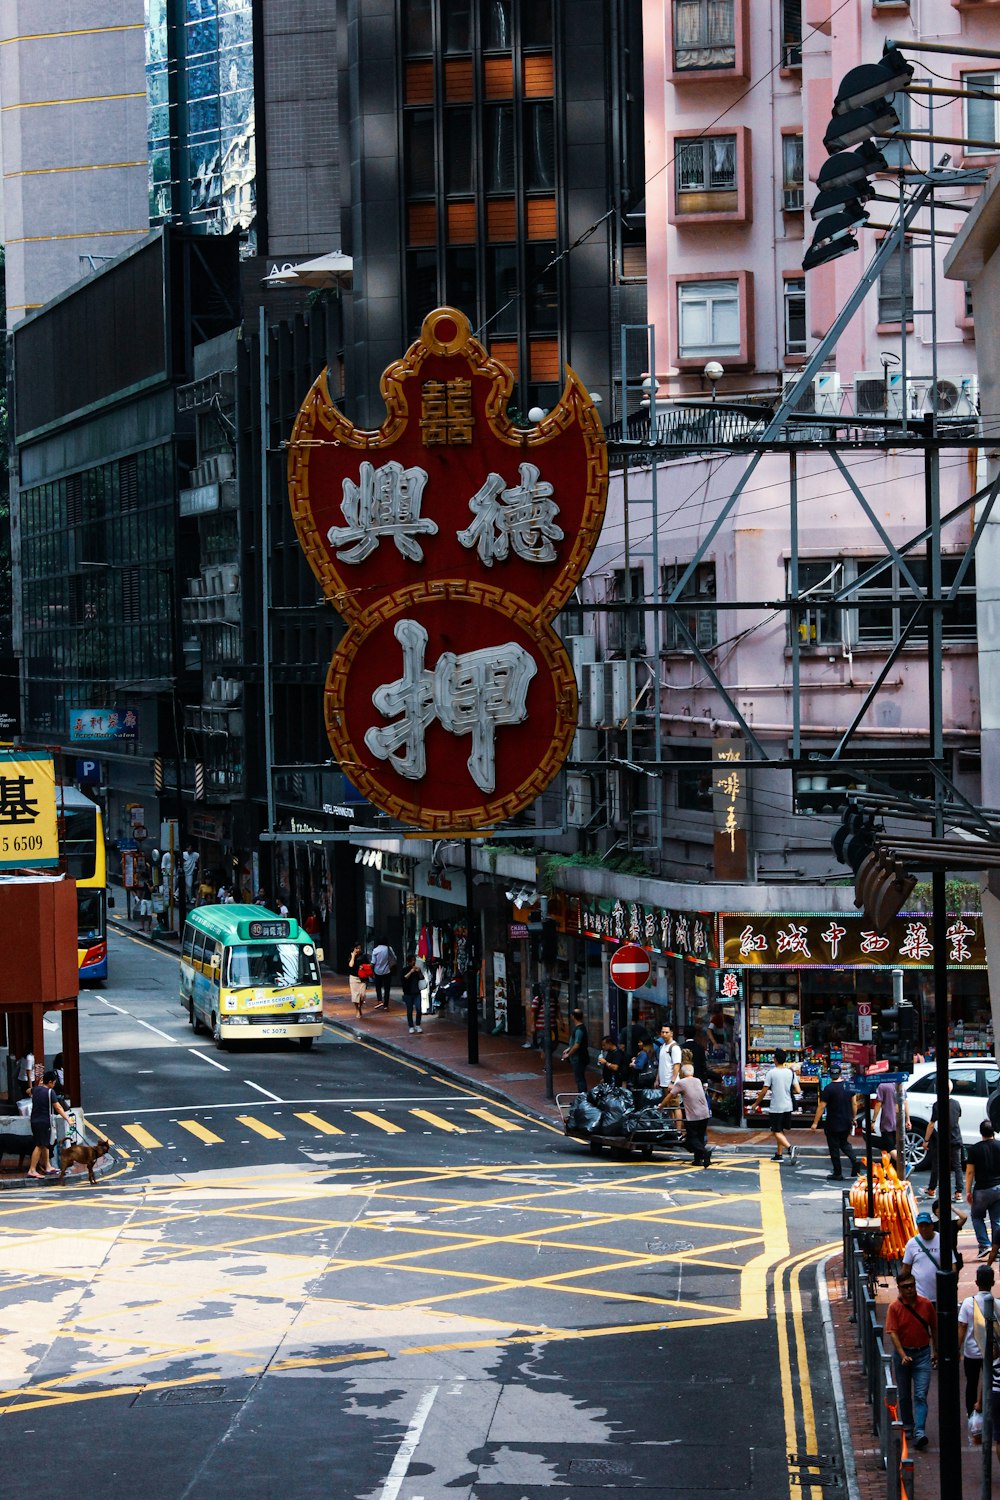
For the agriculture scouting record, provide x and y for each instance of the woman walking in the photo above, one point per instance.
(412, 979)
(43, 1105)
(358, 980)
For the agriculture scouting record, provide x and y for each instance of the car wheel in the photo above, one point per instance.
(217, 1035)
(305, 1042)
(191, 1020)
(916, 1153)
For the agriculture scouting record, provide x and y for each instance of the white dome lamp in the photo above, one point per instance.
(537, 414)
(713, 373)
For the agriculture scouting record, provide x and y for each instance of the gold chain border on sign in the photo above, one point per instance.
(482, 815)
(319, 415)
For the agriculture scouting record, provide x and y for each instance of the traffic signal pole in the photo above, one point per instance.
(949, 1387)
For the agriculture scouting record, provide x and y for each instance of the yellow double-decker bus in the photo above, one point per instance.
(247, 973)
(81, 847)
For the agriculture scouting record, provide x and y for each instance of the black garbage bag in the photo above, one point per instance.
(583, 1115)
(643, 1098)
(599, 1093)
(612, 1121)
(646, 1119)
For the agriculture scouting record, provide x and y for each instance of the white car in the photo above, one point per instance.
(973, 1079)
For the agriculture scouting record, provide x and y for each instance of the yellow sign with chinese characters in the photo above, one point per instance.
(29, 836)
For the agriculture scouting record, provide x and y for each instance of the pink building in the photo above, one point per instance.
(738, 98)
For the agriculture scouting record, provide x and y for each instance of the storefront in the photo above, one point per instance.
(816, 984)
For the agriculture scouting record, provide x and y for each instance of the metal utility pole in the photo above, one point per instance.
(471, 964)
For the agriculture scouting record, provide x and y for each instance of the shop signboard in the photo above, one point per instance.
(729, 809)
(680, 934)
(803, 940)
(28, 832)
(103, 724)
(517, 931)
(447, 885)
(500, 989)
(449, 539)
(857, 1054)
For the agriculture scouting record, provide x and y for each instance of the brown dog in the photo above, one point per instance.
(85, 1156)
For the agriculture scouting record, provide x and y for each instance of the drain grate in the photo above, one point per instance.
(193, 1395)
(815, 1470)
(600, 1466)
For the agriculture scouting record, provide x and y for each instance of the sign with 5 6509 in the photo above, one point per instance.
(28, 830)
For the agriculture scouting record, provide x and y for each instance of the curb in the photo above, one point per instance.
(833, 1359)
(107, 1164)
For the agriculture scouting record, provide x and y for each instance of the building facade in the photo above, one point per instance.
(73, 142)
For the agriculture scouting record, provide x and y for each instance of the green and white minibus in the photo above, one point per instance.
(247, 973)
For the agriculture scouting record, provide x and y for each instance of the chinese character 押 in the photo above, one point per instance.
(473, 694)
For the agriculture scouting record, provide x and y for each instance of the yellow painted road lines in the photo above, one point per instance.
(379, 1121)
(140, 1136)
(202, 1132)
(323, 1126)
(439, 1123)
(267, 1131)
(497, 1120)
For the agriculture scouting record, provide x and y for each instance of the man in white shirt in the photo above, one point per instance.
(782, 1083)
(923, 1256)
(668, 1065)
(972, 1355)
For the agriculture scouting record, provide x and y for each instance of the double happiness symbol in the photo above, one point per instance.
(448, 540)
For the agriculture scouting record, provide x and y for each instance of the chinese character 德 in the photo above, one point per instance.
(958, 935)
(15, 804)
(385, 502)
(446, 412)
(834, 935)
(520, 516)
(473, 694)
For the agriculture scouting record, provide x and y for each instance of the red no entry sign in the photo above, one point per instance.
(630, 967)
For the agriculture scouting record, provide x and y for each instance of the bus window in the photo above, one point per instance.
(272, 964)
(198, 949)
(77, 829)
(188, 941)
(89, 923)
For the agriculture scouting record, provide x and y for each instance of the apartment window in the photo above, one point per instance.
(704, 34)
(793, 174)
(420, 152)
(700, 622)
(981, 118)
(419, 34)
(707, 165)
(457, 25)
(708, 318)
(499, 163)
(496, 23)
(877, 613)
(968, 312)
(694, 782)
(795, 315)
(895, 151)
(626, 627)
(791, 33)
(895, 287)
(540, 151)
(819, 623)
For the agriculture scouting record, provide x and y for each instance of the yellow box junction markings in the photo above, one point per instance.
(267, 1131)
(498, 1120)
(437, 1121)
(389, 1126)
(201, 1131)
(316, 1123)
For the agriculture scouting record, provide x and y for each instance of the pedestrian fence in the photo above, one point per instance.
(863, 1264)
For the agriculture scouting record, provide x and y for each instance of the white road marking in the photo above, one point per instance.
(155, 1029)
(266, 1092)
(168, 1109)
(199, 1052)
(408, 1446)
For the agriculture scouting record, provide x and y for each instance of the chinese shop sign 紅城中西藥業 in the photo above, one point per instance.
(684, 934)
(448, 540)
(846, 941)
(29, 836)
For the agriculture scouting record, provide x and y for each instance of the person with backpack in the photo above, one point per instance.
(577, 1054)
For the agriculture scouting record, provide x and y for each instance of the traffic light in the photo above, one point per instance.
(854, 838)
(897, 1035)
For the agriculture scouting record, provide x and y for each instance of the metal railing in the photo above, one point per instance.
(876, 1364)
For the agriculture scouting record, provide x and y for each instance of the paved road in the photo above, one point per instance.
(445, 1299)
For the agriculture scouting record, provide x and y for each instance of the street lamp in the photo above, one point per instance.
(713, 373)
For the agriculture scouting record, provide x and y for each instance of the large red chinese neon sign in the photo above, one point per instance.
(449, 539)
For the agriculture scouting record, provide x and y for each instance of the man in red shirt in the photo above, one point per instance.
(911, 1326)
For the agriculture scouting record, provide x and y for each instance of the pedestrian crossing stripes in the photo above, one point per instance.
(460, 1122)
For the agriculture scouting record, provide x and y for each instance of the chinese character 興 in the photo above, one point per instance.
(385, 502)
(474, 693)
(519, 516)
